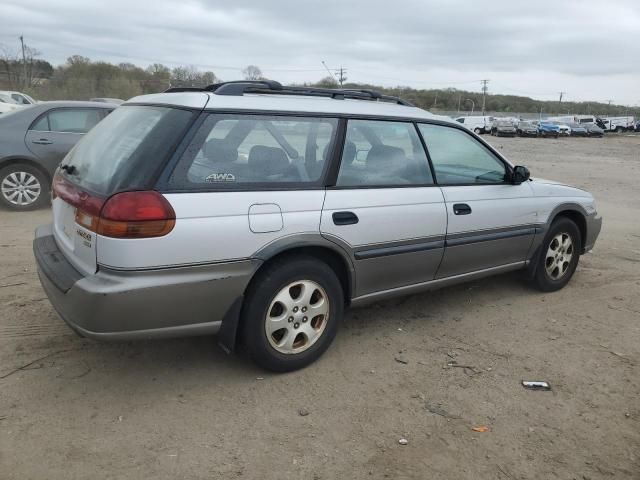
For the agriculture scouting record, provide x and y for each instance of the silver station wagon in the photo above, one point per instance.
(260, 212)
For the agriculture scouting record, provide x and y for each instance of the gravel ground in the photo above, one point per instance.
(73, 408)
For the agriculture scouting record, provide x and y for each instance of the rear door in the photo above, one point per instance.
(54, 133)
(385, 208)
(491, 222)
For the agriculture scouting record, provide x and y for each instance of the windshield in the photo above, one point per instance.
(505, 124)
(126, 149)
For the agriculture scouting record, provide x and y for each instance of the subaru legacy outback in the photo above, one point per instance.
(260, 212)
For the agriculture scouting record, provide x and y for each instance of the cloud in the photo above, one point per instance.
(588, 44)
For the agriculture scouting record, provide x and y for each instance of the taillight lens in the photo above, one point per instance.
(136, 215)
(143, 214)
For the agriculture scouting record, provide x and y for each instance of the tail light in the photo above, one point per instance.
(143, 214)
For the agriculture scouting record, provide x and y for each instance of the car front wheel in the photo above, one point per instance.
(23, 187)
(559, 255)
(291, 313)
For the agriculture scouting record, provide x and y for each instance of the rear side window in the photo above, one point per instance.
(73, 120)
(458, 158)
(231, 150)
(68, 120)
(126, 149)
(380, 153)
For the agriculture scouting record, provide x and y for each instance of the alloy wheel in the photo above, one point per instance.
(297, 317)
(21, 188)
(559, 255)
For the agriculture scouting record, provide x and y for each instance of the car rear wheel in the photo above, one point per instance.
(291, 313)
(559, 255)
(477, 130)
(23, 187)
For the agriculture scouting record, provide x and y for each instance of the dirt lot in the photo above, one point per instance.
(183, 409)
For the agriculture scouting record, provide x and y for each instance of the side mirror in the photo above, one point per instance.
(520, 174)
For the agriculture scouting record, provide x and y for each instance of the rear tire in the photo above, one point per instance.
(23, 187)
(477, 131)
(558, 257)
(291, 313)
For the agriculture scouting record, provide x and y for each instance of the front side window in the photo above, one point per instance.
(458, 158)
(229, 150)
(71, 120)
(381, 153)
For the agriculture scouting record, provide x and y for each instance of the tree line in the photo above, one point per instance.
(80, 78)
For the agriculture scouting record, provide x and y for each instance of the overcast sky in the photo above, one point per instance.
(589, 49)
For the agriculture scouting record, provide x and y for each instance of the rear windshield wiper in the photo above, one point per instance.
(70, 169)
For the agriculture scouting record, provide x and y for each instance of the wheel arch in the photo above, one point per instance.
(314, 245)
(8, 161)
(574, 212)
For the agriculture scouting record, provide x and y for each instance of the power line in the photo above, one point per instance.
(340, 74)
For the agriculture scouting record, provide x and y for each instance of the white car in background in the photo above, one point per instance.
(19, 98)
(7, 104)
(477, 124)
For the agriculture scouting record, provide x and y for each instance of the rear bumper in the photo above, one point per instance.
(126, 305)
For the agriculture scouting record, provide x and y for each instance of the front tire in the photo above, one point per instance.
(23, 187)
(291, 313)
(559, 255)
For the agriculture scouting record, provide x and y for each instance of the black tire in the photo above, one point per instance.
(542, 280)
(18, 168)
(477, 131)
(261, 293)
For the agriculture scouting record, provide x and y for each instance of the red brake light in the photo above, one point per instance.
(142, 214)
(136, 215)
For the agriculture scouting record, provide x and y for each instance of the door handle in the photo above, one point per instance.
(42, 141)
(461, 209)
(344, 218)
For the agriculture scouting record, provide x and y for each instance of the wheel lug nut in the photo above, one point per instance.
(304, 309)
(290, 319)
(295, 309)
(304, 319)
(296, 325)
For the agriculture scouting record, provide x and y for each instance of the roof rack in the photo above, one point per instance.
(240, 87)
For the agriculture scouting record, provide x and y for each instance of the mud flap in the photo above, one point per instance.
(229, 328)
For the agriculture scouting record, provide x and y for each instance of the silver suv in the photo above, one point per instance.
(260, 212)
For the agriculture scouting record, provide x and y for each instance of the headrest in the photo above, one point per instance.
(268, 160)
(218, 151)
(384, 154)
(348, 153)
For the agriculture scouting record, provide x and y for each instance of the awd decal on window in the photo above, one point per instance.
(220, 177)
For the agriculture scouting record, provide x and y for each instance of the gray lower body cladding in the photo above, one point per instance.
(123, 305)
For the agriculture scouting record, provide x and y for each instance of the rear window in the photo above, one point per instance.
(232, 150)
(127, 148)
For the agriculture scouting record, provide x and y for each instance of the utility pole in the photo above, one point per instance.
(560, 101)
(484, 92)
(435, 102)
(459, 100)
(340, 74)
(609, 107)
(24, 62)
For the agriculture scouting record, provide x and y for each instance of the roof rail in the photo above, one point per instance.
(240, 87)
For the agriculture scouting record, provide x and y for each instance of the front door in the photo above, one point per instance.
(385, 208)
(491, 222)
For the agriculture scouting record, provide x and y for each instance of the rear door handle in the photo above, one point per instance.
(344, 218)
(43, 141)
(461, 209)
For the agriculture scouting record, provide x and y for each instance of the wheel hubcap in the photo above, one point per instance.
(297, 317)
(20, 188)
(559, 255)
